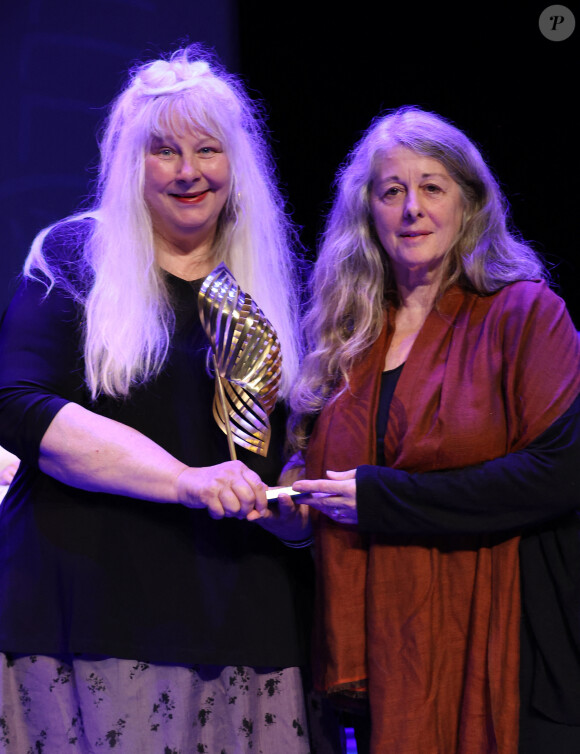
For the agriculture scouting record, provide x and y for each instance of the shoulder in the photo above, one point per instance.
(524, 300)
(532, 319)
(528, 293)
(534, 306)
(60, 257)
(64, 242)
(525, 314)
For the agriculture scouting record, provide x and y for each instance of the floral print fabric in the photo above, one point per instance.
(86, 706)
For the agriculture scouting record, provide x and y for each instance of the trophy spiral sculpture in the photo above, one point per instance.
(247, 361)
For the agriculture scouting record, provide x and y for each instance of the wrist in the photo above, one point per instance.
(302, 537)
(181, 485)
(297, 544)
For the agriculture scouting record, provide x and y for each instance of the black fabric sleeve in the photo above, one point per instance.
(522, 489)
(40, 366)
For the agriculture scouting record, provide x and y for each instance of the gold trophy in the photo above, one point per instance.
(247, 361)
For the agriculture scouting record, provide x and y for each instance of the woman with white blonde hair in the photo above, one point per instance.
(147, 600)
(438, 413)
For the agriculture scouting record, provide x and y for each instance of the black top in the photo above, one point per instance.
(389, 379)
(110, 575)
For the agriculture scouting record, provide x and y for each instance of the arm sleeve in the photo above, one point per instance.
(40, 365)
(518, 490)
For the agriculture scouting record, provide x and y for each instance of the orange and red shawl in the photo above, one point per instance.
(430, 627)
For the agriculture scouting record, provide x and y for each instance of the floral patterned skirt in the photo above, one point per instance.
(81, 705)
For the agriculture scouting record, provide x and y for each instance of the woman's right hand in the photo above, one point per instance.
(95, 453)
(227, 490)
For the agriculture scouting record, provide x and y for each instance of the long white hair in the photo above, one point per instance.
(128, 318)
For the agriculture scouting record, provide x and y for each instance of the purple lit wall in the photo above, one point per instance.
(61, 63)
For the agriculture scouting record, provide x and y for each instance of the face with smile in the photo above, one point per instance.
(417, 210)
(187, 182)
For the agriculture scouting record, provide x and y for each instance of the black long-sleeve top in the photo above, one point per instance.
(109, 575)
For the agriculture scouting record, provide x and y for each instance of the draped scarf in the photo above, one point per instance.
(428, 627)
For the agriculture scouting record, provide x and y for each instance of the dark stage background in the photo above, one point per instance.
(323, 73)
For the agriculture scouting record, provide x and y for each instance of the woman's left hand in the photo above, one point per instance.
(285, 519)
(335, 496)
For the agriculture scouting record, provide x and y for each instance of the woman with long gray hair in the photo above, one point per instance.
(148, 597)
(438, 415)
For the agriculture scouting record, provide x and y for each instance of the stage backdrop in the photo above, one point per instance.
(323, 71)
(326, 71)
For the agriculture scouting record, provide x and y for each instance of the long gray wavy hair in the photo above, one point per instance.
(353, 280)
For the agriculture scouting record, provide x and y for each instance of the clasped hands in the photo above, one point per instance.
(231, 490)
